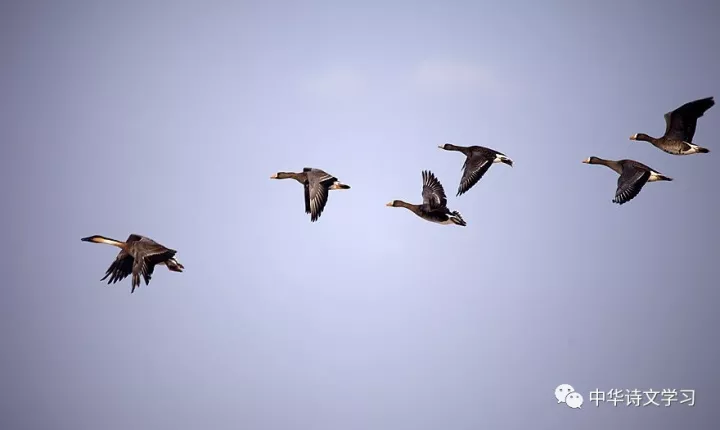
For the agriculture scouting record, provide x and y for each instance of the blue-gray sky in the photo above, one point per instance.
(167, 119)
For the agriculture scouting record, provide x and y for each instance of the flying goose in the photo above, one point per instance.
(317, 184)
(138, 255)
(478, 160)
(680, 127)
(633, 176)
(434, 205)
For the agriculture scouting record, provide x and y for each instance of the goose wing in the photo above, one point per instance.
(681, 123)
(316, 191)
(154, 259)
(120, 268)
(433, 192)
(148, 254)
(474, 168)
(146, 266)
(630, 182)
(140, 267)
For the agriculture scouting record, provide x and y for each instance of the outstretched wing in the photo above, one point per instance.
(630, 182)
(316, 191)
(151, 253)
(680, 124)
(316, 195)
(139, 268)
(120, 268)
(433, 192)
(475, 166)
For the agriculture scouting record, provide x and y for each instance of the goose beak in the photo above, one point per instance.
(93, 239)
(389, 204)
(586, 161)
(441, 146)
(633, 137)
(274, 176)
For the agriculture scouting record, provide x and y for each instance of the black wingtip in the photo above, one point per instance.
(429, 177)
(704, 104)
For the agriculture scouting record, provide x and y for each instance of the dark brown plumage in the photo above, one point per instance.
(633, 177)
(680, 125)
(434, 205)
(317, 185)
(138, 256)
(478, 160)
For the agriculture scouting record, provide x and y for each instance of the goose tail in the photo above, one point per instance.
(339, 186)
(456, 218)
(174, 265)
(506, 160)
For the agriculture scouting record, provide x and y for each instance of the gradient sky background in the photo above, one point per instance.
(167, 118)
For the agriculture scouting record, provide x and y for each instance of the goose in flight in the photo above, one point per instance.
(138, 256)
(317, 184)
(478, 160)
(434, 205)
(680, 127)
(633, 177)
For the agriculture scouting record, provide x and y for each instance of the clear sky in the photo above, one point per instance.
(167, 118)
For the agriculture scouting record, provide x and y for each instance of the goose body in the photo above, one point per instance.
(478, 160)
(633, 177)
(317, 184)
(680, 125)
(138, 256)
(434, 207)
